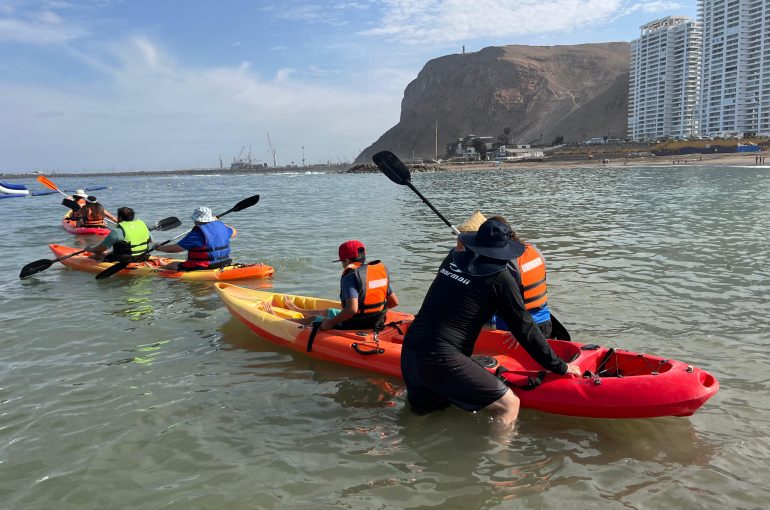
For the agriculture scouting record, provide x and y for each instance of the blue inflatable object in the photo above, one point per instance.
(13, 189)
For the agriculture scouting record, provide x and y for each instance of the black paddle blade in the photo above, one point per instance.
(119, 266)
(167, 224)
(559, 332)
(392, 167)
(72, 204)
(243, 204)
(35, 267)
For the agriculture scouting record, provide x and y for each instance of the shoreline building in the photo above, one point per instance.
(664, 79)
(735, 81)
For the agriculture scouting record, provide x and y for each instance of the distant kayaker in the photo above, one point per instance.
(473, 282)
(207, 245)
(365, 293)
(80, 197)
(128, 240)
(92, 214)
(531, 279)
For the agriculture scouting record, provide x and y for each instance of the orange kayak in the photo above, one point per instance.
(153, 267)
(616, 384)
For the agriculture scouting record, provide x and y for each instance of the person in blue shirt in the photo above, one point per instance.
(207, 244)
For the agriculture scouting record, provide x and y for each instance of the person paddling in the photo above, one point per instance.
(473, 282)
(530, 268)
(79, 198)
(207, 245)
(128, 240)
(92, 214)
(365, 293)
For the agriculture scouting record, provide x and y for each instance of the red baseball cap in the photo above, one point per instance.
(351, 250)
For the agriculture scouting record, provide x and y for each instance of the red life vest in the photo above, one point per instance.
(372, 285)
(531, 265)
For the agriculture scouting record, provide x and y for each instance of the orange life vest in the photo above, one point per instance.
(92, 216)
(531, 265)
(373, 286)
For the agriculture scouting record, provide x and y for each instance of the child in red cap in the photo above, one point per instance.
(365, 293)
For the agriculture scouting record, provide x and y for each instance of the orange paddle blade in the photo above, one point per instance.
(42, 179)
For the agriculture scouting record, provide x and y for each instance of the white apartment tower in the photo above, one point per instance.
(664, 80)
(735, 80)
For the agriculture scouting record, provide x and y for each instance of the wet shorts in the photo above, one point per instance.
(436, 380)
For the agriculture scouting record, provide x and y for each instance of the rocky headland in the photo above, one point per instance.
(528, 94)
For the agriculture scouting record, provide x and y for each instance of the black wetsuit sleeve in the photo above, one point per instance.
(511, 309)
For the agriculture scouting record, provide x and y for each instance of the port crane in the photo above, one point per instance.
(240, 154)
(270, 149)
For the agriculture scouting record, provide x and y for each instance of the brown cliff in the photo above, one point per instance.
(537, 92)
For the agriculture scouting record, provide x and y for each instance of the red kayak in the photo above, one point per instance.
(70, 227)
(616, 383)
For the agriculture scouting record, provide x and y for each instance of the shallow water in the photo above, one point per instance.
(146, 394)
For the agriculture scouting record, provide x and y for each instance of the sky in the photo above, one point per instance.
(128, 85)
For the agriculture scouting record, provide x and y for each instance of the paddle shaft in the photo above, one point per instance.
(427, 202)
(59, 259)
(398, 172)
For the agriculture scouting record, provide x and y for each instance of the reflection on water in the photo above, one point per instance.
(141, 392)
(144, 353)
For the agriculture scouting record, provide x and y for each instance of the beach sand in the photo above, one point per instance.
(730, 159)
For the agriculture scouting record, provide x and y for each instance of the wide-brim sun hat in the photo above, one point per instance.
(91, 199)
(493, 240)
(202, 215)
(80, 193)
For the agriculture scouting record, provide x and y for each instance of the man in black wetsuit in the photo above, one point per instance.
(473, 282)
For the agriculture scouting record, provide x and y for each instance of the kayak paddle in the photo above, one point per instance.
(396, 171)
(66, 201)
(45, 181)
(43, 264)
(559, 332)
(119, 266)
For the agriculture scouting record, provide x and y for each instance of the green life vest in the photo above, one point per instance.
(136, 238)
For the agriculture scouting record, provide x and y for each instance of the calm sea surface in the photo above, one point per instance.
(147, 394)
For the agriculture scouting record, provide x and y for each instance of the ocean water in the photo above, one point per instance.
(146, 393)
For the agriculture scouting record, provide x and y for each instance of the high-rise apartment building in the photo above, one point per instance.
(663, 83)
(735, 80)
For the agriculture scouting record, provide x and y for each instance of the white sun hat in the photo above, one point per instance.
(203, 214)
(80, 193)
